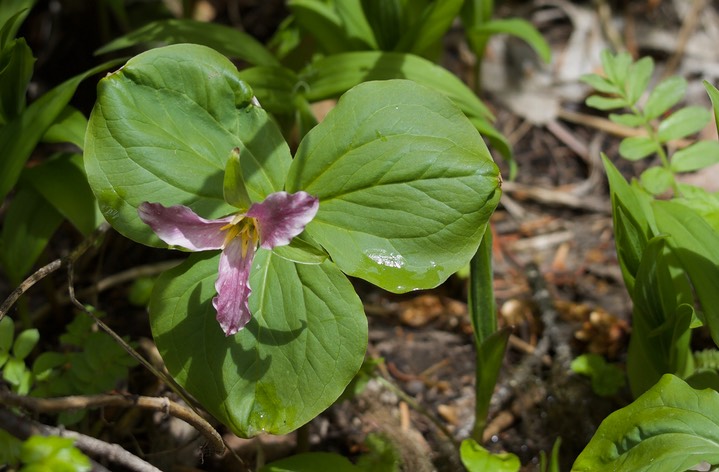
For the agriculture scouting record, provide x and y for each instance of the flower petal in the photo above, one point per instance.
(180, 226)
(233, 287)
(282, 216)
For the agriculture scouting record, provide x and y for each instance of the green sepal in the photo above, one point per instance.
(234, 188)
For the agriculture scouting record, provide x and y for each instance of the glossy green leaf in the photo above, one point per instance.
(683, 122)
(638, 78)
(696, 156)
(405, 183)
(162, 130)
(16, 65)
(62, 182)
(29, 224)
(302, 249)
(670, 427)
(477, 459)
(69, 127)
(305, 341)
(664, 96)
(19, 137)
(714, 96)
(606, 103)
(430, 28)
(228, 41)
(521, 29)
(657, 180)
(311, 462)
(696, 245)
(637, 147)
(333, 75)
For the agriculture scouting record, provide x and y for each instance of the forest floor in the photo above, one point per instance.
(555, 216)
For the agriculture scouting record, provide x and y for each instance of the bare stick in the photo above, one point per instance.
(24, 427)
(81, 402)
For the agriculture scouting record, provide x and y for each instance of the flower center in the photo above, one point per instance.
(244, 228)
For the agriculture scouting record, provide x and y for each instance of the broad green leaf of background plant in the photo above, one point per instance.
(16, 64)
(424, 33)
(61, 181)
(696, 245)
(606, 378)
(661, 318)
(228, 41)
(162, 129)
(354, 22)
(69, 127)
(670, 427)
(521, 29)
(304, 344)
(388, 21)
(656, 180)
(477, 459)
(311, 462)
(19, 137)
(321, 21)
(331, 76)
(406, 185)
(29, 224)
(12, 14)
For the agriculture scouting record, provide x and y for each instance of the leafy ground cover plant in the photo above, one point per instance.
(668, 255)
(307, 334)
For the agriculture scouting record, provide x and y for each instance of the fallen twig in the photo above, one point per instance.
(82, 402)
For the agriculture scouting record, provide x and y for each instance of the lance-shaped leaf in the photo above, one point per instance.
(405, 183)
(303, 345)
(162, 130)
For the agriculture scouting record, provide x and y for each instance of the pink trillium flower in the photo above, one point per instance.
(273, 222)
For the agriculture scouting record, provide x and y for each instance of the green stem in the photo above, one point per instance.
(482, 306)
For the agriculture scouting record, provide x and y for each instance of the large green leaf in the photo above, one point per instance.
(16, 63)
(20, 136)
(430, 28)
(333, 75)
(406, 185)
(311, 462)
(670, 427)
(162, 130)
(305, 342)
(696, 245)
(28, 226)
(62, 181)
(228, 41)
(354, 22)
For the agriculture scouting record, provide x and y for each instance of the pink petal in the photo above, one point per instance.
(233, 287)
(180, 226)
(282, 216)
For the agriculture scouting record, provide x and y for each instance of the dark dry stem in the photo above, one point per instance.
(23, 428)
(81, 402)
(48, 269)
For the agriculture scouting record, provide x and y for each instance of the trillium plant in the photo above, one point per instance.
(274, 222)
(395, 186)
